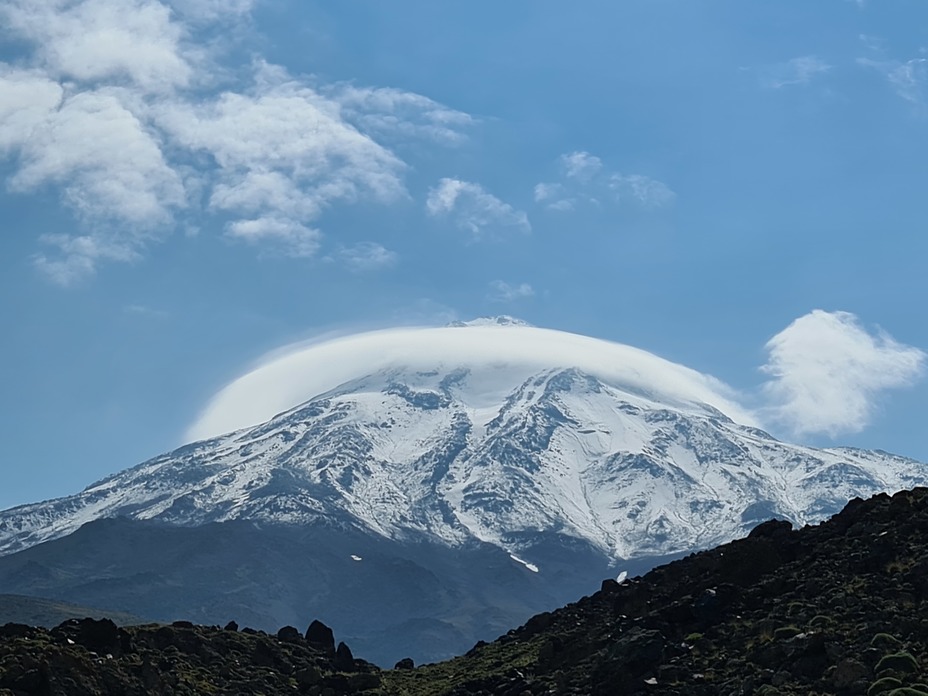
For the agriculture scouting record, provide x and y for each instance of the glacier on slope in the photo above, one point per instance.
(502, 452)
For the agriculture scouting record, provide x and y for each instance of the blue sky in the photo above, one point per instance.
(189, 184)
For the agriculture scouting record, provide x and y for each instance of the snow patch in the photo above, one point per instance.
(531, 566)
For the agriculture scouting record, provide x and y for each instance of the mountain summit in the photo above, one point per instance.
(564, 457)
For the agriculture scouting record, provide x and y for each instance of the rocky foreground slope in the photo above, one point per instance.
(837, 608)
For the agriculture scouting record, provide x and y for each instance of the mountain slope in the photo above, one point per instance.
(432, 454)
(836, 608)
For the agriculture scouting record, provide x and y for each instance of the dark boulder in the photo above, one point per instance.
(289, 634)
(100, 636)
(344, 660)
(320, 636)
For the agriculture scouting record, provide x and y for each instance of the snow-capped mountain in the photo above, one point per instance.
(495, 448)
(422, 489)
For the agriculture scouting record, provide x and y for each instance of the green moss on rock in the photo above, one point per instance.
(898, 662)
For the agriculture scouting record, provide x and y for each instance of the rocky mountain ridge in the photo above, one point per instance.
(447, 457)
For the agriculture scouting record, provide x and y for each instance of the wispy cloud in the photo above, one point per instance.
(501, 291)
(581, 166)
(585, 179)
(146, 311)
(366, 256)
(284, 235)
(828, 372)
(796, 71)
(908, 79)
(388, 112)
(118, 106)
(646, 191)
(211, 10)
(79, 255)
(473, 209)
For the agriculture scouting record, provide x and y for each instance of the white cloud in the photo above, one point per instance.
(909, 80)
(554, 197)
(79, 256)
(108, 163)
(117, 108)
(474, 209)
(649, 192)
(283, 132)
(387, 111)
(212, 10)
(505, 356)
(146, 311)
(871, 42)
(287, 236)
(581, 165)
(501, 291)
(827, 372)
(27, 100)
(797, 71)
(585, 179)
(135, 40)
(366, 256)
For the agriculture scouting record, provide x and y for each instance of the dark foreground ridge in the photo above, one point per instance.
(838, 608)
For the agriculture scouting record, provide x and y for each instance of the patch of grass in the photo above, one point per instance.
(898, 662)
(821, 621)
(881, 686)
(786, 632)
(885, 641)
(432, 680)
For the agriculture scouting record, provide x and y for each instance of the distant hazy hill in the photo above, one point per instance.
(36, 611)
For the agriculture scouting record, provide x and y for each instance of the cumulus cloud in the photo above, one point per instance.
(474, 209)
(796, 71)
(501, 291)
(126, 40)
(282, 150)
(828, 372)
(504, 355)
(118, 108)
(586, 180)
(74, 143)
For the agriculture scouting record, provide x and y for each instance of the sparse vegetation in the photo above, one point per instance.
(700, 626)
